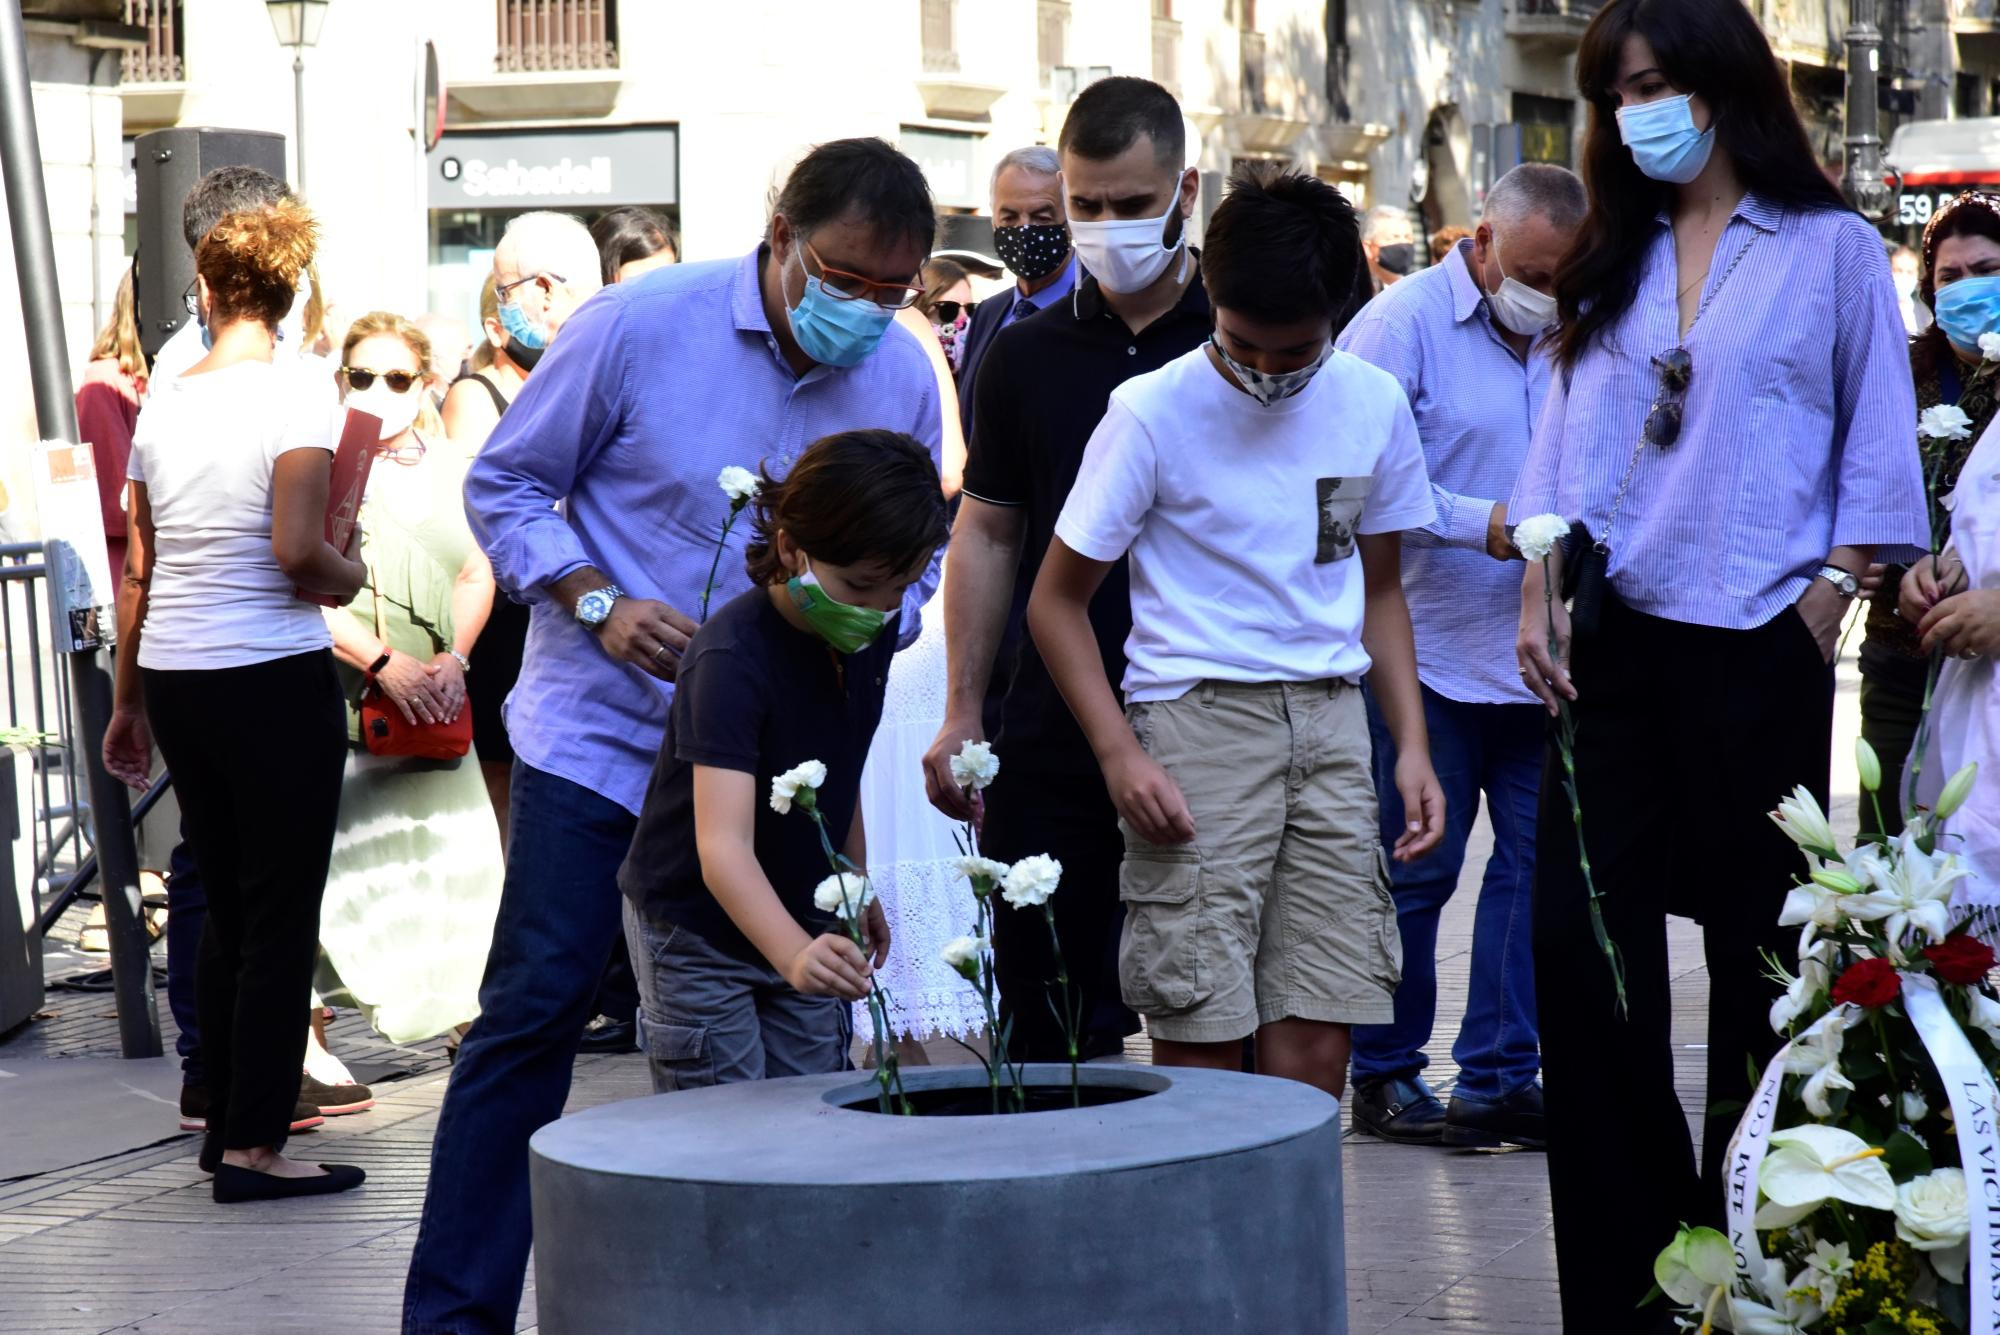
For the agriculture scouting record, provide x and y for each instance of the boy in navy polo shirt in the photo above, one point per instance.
(740, 976)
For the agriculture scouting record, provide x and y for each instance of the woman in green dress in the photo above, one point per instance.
(417, 862)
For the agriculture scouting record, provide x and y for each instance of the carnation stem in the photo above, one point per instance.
(715, 565)
(1069, 1016)
(1566, 745)
(888, 1068)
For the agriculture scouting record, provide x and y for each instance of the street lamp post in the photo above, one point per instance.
(297, 24)
(1865, 181)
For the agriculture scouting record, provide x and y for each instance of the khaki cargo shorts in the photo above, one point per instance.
(1280, 907)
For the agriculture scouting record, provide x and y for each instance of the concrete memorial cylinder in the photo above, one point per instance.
(1174, 1201)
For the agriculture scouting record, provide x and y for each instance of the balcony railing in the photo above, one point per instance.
(557, 35)
(1254, 101)
(940, 33)
(159, 61)
(1051, 37)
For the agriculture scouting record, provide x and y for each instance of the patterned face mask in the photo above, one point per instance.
(1034, 250)
(1270, 389)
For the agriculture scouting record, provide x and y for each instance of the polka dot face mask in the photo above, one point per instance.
(1033, 251)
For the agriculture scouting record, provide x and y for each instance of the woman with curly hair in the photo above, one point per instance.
(223, 663)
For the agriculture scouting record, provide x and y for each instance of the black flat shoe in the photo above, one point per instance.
(1399, 1108)
(234, 1185)
(1482, 1124)
(604, 1034)
(304, 1118)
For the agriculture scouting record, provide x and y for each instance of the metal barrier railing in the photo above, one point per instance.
(37, 707)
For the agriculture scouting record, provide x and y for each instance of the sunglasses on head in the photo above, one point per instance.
(1663, 421)
(399, 382)
(947, 312)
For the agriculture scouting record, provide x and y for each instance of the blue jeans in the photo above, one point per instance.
(1475, 748)
(187, 915)
(558, 917)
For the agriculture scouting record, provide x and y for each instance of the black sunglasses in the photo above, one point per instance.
(399, 382)
(1663, 422)
(947, 312)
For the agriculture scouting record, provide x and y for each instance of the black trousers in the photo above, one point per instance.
(1069, 817)
(1686, 737)
(256, 754)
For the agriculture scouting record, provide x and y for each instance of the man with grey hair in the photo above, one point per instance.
(545, 266)
(1390, 244)
(1031, 236)
(1463, 338)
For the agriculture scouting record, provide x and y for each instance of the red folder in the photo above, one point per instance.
(346, 487)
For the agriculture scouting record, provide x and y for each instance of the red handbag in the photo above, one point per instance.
(384, 730)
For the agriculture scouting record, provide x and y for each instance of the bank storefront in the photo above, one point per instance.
(479, 179)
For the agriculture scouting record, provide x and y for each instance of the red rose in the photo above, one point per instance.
(1960, 959)
(1868, 983)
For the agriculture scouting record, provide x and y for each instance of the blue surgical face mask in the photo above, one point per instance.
(1663, 140)
(832, 331)
(1968, 308)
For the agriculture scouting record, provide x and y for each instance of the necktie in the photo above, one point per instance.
(1023, 308)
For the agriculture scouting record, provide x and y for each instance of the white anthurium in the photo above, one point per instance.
(1945, 421)
(1536, 536)
(1815, 1054)
(1697, 1263)
(1934, 1215)
(1805, 824)
(1810, 1165)
(1827, 1265)
(1788, 1310)
(1983, 1012)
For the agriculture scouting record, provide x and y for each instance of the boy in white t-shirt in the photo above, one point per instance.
(1259, 486)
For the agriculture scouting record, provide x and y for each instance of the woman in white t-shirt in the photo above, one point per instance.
(220, 660)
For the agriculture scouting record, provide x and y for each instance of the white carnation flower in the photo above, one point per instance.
(961, 950)
(1031, 881)
(1933, 1214)
(738, 484)
(1537, 535)
(844, 894)
(975, 766)
(984, 873)
(1989, 347)
(1945, 421)
(809, 774)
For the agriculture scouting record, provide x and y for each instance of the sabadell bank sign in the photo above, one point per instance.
(562, 167)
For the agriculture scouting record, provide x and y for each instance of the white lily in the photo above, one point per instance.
(1821, 907)
(1959, 786)
(1983, 1013)
(1810, 1165)
(1912, 891)
(1815, 1054)
(1791, 1307)
(1799, 995)
(1805, 824)
(1828, 1264)
(1867, 765)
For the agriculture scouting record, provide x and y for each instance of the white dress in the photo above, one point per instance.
(1965, 709)
(911, 849)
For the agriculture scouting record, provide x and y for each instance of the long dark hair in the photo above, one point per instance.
(1714, 49)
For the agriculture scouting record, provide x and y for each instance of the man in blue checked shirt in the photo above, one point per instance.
(1460, 338)
(596, 498)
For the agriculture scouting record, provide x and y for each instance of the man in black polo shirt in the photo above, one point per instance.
(1041, 391)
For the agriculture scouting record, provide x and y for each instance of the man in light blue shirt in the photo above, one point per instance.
(596, 498)
(1460, 338)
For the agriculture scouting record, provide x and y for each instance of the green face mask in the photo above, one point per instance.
(849, 629)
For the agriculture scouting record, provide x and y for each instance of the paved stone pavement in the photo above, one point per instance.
(1437, 1242)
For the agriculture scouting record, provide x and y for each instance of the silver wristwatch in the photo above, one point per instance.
(1841, 580)
(594, 607)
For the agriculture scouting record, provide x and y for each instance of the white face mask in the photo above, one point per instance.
(397, 411)
(1128, 254)
(1519, 308)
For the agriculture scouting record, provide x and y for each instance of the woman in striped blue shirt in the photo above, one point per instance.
(1730, 426)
